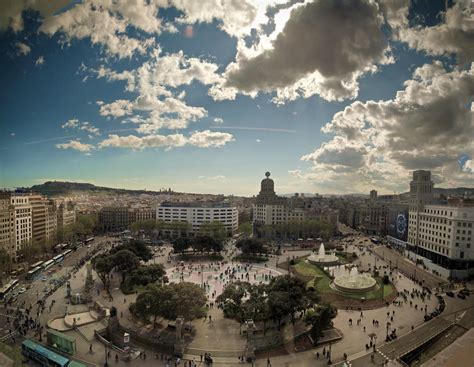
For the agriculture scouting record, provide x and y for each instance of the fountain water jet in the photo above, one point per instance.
(355, 282)
(322, 258)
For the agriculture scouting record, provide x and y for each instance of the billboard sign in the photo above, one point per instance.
(398, 223)
(60, 341)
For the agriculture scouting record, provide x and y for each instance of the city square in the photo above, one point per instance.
(264, 183)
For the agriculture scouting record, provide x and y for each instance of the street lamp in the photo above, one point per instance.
(329, 359)
(106, 364)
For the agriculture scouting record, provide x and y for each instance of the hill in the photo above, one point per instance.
(57, 188)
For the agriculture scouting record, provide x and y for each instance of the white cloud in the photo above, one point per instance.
(201, 139)
(75, 145)
(468, 166)
(218, 120)
(212, 178)
(118, 108)
(455, 34)
(207, 138)
(105, 24)
(39, 61)
(84, 126)
(377, 144)
(23, 48)
(302, 60)
(11, 11)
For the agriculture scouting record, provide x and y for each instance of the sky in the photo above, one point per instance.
(331, 97)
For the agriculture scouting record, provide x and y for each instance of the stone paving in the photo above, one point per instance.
(224, 334)
(215, 276)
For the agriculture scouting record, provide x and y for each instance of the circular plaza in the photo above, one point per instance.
(213, 277)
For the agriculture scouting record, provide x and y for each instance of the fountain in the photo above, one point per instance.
(321, 258)
(355, 282)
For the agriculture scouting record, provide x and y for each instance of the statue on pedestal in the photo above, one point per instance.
(179, 342)
(249, 353)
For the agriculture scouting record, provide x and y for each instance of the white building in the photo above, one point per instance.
(23, 221)
(441, 236)
(198, 213)
(7, 225)
(270, 209)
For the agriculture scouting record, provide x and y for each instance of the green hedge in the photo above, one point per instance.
(251, 258)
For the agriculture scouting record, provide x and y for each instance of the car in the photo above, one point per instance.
(44, 279)
(450, 294)
(461, 295)
(21, 290)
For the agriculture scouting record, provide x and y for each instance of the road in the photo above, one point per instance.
(37, 287)
(407, 267)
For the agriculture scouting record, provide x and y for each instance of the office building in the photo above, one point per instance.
(66, 215)
(23, 222)
(440, 236)
(195, 214)
(7, 225)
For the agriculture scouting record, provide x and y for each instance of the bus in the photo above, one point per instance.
(33, 273)
(35, 265)
(45, 357)
(48, 264)
(58, 258)
(67, 253)
(89, 240)
(7, 288)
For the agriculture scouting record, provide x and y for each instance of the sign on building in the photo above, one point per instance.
(60, 341)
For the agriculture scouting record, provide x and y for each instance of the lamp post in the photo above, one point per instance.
(106, 364)
(329, 359)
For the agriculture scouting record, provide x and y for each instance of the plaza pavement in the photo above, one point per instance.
(223, 334)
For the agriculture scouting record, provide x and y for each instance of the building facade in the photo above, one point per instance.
(66, 214)
(7, 225)
(114, 218)
(440, 236)
(281, 217)
(38, 213)
(51, 221)
(119, 218)
(198, 213)
(23, 222)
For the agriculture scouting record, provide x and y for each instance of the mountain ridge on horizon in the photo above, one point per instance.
(56, 188)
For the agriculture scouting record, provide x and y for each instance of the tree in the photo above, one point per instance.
(103, 265)
(279, 306)
(181, 244)
(138, 247)
(320, 319)
(299, 297)
(5, 263)
(125, 261)
(246, 228)
(206, 243)
(144, 275)
(170, 301)
(148, 226)
(230, 300)
(30, 252)
(251, 246)
(214, 229)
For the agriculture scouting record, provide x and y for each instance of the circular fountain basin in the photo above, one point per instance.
(361, 283)
(325, 260)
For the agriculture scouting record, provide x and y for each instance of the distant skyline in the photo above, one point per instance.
(331, 97)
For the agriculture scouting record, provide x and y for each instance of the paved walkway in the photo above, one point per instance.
(223, 334)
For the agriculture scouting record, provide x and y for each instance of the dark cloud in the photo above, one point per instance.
(335, 38)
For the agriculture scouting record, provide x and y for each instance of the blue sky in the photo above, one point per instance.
(139, 94)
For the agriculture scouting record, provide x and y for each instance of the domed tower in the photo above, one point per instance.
(267, 187)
